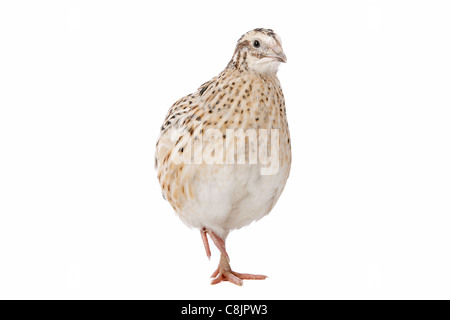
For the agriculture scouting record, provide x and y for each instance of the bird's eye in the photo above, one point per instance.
(256, 44)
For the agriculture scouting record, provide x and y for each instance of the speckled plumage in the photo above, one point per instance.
(220, 197)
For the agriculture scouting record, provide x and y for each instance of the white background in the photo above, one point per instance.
(85, 86)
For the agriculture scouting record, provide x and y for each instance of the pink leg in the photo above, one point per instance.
(220, 244)
(205, 242)
(223, 271)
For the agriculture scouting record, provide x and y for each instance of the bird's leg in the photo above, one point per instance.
(205, 242)
(220, 244)
(224, 273)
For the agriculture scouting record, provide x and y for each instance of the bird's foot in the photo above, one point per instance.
(224, 273)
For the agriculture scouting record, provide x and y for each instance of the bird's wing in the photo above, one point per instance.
(205, 86)
(166, 142)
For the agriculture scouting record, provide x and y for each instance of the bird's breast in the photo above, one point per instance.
(230, 152)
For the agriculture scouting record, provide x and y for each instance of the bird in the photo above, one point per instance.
(205, 153)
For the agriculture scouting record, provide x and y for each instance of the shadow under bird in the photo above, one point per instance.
(206, 151)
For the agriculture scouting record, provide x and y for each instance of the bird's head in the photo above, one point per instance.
(259, 50)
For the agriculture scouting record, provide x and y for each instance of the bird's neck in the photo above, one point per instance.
(239, 64)
(265, 78)
(239, 61)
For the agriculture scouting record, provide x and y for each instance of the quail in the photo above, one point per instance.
(223, 155)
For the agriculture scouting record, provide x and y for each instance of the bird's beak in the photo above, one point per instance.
(278, 55)
(281, 57)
